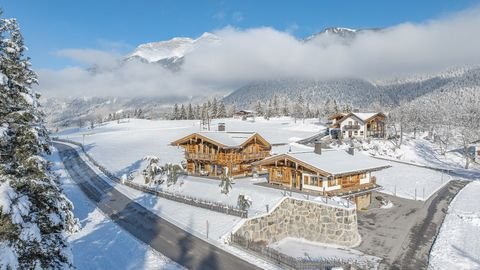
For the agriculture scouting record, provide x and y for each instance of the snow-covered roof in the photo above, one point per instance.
(229, 139)
(335, 162)
(362, 116)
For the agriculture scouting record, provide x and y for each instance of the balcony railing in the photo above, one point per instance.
(351, 127)
(223, 158)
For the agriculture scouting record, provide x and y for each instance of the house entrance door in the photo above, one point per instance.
(350, 134)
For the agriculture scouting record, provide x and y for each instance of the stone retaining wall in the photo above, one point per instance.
(304, 219)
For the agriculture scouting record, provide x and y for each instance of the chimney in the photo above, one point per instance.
(351, 150)
(221, 126)
(318, 148)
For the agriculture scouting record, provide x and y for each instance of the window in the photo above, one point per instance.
(332, 182)
(361, 132)
(313, 181)
(350, 123)
(355, 132)
(356, 123)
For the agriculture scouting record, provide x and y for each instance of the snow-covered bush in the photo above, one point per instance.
(244, 201)
(225, 182)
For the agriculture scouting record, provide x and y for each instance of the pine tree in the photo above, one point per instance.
(183, 113)
(214, 109)
(259, 108)
(276, 106)
(285, 110)
(299, 108)
(197, 113)
(176, 113)
(34, 216)
(222, 112)
(268, 111)
(190, 112)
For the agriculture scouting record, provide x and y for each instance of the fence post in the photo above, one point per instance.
(415, 193)
(207, 228)
(266, 207)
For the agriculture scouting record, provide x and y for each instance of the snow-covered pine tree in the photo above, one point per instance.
(214, 109)
(183, 113)
(222, 111)
(197, 112)
(285, 109)
(299, 108)
(276, 106)
(268, 111)
(35, 216)
(176, 113)
(259, 108)
(190, 112)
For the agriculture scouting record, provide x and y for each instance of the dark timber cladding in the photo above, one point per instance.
(210, 153)
(330, 173)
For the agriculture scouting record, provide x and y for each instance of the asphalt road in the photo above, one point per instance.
(403, 235)
(180, 246)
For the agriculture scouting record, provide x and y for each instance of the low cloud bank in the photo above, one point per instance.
(256, 54)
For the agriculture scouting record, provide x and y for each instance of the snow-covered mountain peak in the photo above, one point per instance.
(176, 47)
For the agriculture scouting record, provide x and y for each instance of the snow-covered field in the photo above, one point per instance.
(410, 182)
(458, 244)
(121, 147)
(100, 243)
(422, 151)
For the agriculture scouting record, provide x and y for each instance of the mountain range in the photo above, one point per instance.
(359, 93)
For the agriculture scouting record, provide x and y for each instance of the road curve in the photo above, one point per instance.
(180, 246)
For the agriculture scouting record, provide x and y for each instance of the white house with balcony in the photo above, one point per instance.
(361, 125)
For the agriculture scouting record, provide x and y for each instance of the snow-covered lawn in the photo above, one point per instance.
(458, 244)
(410, 182)
(100, 243)
(422, 151)
(121, 147)
(300, 248)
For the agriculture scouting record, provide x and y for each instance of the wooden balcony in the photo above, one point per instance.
(352, 190)
(351, 127)
(225, 158)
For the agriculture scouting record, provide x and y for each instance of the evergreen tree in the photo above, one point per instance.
(259, 108)
(176, 113)
(268, 111)
(222, 112)
(276, 106)
(183, 113)
(285, 110)
(34, 214)
(197, 112)
(190, 112)
(299, 108)
(214, 109)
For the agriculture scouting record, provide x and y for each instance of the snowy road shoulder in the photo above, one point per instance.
(100, 243)
(458, 243)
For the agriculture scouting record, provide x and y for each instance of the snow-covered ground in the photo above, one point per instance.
(422, 151)
(300, 248)
(121, 147)
(100, 243)
(410, 182)
(458, 243)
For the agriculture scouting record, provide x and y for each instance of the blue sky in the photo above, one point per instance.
(50, 26)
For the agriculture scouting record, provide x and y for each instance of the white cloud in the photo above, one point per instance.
(265, 53)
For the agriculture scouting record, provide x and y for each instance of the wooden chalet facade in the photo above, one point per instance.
(209, 153)
(331, 173)
(358, 125)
